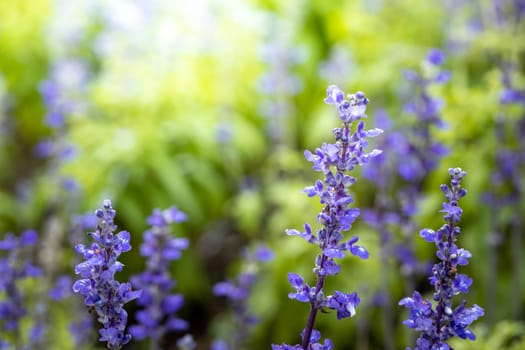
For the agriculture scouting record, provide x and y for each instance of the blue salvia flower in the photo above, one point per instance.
(61, 93)
(186, 343)
(399, 177)
(159, 306)
(507, 188)
(441, 323)
(14, 267)
(238, 292)
(102, 293)
(278, 84)
(334, 161)
(424, 152)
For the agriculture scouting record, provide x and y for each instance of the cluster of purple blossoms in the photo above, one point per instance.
(238, 292)
(442, 323)
(414, 153)
(158, 305)
(399, 178)
(278, 84)
(59, 92)
(333, 160)
(15, 267)
(102, 293)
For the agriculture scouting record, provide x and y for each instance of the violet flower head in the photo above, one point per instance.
(441, 323)
(102, 293)
(159, 306)
(334, 161)
(278, 84)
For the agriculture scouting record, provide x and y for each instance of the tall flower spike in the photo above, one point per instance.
(238, 293)
(14, 267)
(441, 323)
(334, 161)
(159, 306)
(102, 293)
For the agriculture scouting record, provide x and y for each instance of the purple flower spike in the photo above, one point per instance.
(159, 307)
(442, 323)
(334, 95)
(15, 266)
(102, 293)
(334, 161)
(238, 292)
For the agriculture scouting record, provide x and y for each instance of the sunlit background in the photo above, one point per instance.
(209, 106)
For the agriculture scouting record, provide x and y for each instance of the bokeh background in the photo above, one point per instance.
(209, 105)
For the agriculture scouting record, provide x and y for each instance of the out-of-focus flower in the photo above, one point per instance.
(15, 266)
(238, 292)
(159, 307)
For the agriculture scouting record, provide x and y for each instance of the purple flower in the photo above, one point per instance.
(159, 306)
(436, 57)
(238, 291)
(101, 292)
(334, 161)
(512, 96)
(278, 84)
(62, 288)
(400, 175)
(15, 266)
(439, 324)
(345, 304)
(219, 345)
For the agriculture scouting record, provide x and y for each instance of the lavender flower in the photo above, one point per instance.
(333, 160)
(278, 84)
(424, 153)
(399, 178)
(442, 323)
(238, 292)
(507, 188)
(102, 293)
(159, 306)
(81, 327)
(15, 267)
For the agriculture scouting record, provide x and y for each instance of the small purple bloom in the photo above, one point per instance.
(436, 57)
(62, 288)
(345, 304)
(238, 292)
(15, 266)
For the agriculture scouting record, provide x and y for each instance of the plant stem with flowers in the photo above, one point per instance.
(102, 293)
(334, 161)
(158, 305)
(442, 323)
(15, 266)
(399, 177)
(238, 293)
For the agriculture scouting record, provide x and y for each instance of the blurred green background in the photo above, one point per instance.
(209, 105)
